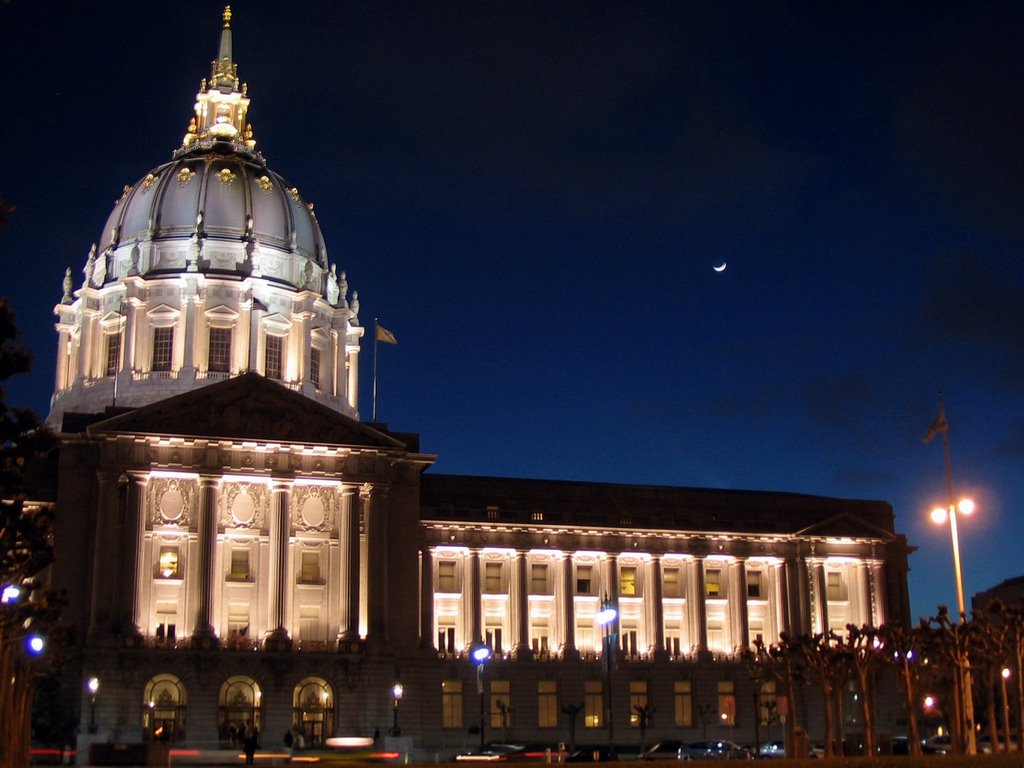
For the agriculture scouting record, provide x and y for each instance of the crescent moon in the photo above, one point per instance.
(720, 267)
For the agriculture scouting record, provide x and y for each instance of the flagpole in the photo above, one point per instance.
(374, 417)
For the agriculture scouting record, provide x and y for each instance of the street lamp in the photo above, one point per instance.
(93, 685)
(605, 619)
(396, 697)
(939, 516)
(480, 655)
(1004, 675)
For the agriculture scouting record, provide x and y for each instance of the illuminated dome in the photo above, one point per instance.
(209, 266)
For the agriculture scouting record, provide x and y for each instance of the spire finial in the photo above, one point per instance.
(227, 17)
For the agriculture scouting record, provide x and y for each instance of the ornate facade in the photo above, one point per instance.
(241, 551)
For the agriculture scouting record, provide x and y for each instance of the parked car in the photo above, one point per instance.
(772, 749)
(590, 755)
(665, 750)
(491, 753)
(716, 750)
(937, 745)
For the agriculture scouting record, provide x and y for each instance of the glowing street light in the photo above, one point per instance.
(606, 618)
(396, 697)
(480, 654)
(93, 685)
(939, 516)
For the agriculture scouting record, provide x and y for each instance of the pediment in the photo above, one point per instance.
(248, 407)
(846, 525)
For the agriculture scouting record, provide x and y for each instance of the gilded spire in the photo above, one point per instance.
(222, 103)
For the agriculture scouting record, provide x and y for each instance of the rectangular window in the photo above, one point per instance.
(310, 628)
(492, 637)
(683, 691)
(501, 704)
(627, 581)
(310, 572)
(492, 578)
(769, 703)
(538, 579)
(638, 706)
(754, 584)
(584, 584)
(451, 704)
(593, 704)
(314, 367)
(547, 704)
(273, 356)
(670, 583)
(726, 702)
(169, 564)
(220, 350)
(713, 582)
(113, 353)
(834, 588)
(239, 565)
(238, 620)
(446, 576)
(163, 348)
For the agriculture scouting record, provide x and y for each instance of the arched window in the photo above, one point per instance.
(239, 702)
(163, 709)
(313, 711)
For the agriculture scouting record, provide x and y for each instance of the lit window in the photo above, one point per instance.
(220, 350)
(769, 703)
(272, 357)
(314, 367)
(754, 584)
(726, 702)
(446, 576)
(683, 690)
(168, 563)
(834, 586)
(451, 704)
(638, 706)
(113, 353)
(492, 578)
(163, 348)
(310, 573)
(713, 582)
(593, 704)
(627, 581)
(670, 582)
(547, 704)
(583, 580)
(538, 579)
(238, 620)
(239, 565)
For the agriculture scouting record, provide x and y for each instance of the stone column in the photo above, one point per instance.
(280, 579)
(657, 612)
(742, 607)
(879, 610)
(375, 521)
(203, 631)
(349, 530)
(780, 601)
(351, 359)
(700, 605)
(569, 650)
(427, 600)
(190, 300)
(820, 596)
(521, 609)
(102, 616)
(131, 553)
(474, 597)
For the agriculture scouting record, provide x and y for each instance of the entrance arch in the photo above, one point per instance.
(239, 704)
(313, 710)
(164, 705)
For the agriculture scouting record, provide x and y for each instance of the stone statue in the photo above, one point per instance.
(90, 265)
(99, 272)
(248, 225)
(133, 270)
(68, 286)
(195, 253)
(331, 289)
(200, 219)
(307, 276)
(354, 307)
(343, 286)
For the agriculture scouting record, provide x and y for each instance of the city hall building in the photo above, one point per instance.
(242, 551)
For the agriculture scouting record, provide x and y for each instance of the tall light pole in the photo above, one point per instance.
(480, 655)
(396, 697)
(606, 618)
(966, 507)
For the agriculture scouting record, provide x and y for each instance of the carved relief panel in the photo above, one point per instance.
(314, 508)
(244, 505)
(171, 502)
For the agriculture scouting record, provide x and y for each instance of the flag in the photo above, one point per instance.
(939, 425)
(383, 334)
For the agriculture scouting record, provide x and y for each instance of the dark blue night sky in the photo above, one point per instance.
(532, 195)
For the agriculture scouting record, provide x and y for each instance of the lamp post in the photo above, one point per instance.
(605, 619)
(396, 699)
(480, 655)
(93, 685)
(1004, 675)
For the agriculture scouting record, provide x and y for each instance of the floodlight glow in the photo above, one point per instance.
(397, 690)
(480, 654)
(36, 644)
(939, 515)
(965, 506)
(10, 594)
(93, 685)
(606, 616)
(1005, 672)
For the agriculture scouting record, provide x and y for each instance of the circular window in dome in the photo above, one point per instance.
(243, 508)
(313, 512)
